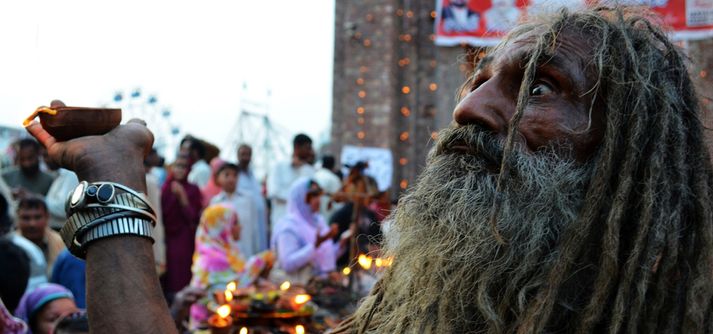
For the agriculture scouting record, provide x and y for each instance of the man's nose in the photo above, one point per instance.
(489, 106)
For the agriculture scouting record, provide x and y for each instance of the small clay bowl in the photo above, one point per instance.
(75, 122)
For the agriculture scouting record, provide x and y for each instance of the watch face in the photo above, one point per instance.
(78, 194)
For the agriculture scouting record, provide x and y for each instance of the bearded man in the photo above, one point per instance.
(571, 195)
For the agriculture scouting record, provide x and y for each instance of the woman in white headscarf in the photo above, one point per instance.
(302, 239)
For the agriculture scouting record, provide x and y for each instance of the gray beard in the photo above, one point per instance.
(451, 273)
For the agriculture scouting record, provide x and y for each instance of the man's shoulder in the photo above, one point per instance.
(10, 172)
(220, 197)
(280, 169)
(45, 176)
(53, 236)
(32, 250)
(200, 165)
(281, 165)
(326, 173)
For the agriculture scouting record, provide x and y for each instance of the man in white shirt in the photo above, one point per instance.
(56, 197)
(200, 170)
(331, 184)
(285, 173)
(249, 185)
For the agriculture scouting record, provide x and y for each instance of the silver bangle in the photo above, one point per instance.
(75, 244)
(76, 221)
(120, 207)
(120, 226)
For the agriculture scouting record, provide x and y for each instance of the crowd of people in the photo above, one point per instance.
(217, 223)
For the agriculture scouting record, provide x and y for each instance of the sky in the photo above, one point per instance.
(203, 60)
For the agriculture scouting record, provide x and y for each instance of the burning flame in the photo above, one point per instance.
(228, 296)
(302, 298)
(378, 262)
(232, 286)
(346, 271)
(244, 330)
(223, 311)
(299, 329)
(285, 286)
(364, 261)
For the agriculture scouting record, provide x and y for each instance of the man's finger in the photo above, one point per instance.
(137, 121)
(57, 104)
(37, 131)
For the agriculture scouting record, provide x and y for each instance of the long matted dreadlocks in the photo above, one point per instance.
(638, 256)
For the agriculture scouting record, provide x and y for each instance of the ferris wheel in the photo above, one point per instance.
(270, 142)
(135, 104)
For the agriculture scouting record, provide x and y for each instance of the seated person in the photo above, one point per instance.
(44, 306)
(217, 260)
(302, 239)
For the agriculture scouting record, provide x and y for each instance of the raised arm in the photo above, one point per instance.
(123, 291)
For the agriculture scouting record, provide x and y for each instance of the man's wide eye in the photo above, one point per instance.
(540, 88)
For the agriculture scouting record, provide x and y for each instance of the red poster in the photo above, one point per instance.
(484, 22)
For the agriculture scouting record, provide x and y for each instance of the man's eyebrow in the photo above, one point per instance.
(553, 62)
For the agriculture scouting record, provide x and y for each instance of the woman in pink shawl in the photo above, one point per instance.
(217, 260)
(181, 204)
(302, 239)
(212, 188)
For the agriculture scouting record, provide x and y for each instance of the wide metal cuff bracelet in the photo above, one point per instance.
(96, 211)
(102, 194)
(77, 220)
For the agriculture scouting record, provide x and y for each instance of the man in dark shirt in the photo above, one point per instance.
(26, 177)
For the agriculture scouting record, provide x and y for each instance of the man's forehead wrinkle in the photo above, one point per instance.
(483, 62)
(567, 56)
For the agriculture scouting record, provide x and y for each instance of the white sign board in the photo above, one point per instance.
(379, 159)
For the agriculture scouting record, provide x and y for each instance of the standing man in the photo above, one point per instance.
(26, 177)
(331, 184)
(56, 197)
(200, 172)
(248, 185)
(285, 173)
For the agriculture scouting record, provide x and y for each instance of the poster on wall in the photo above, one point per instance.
(485, 22)
(380, 163)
